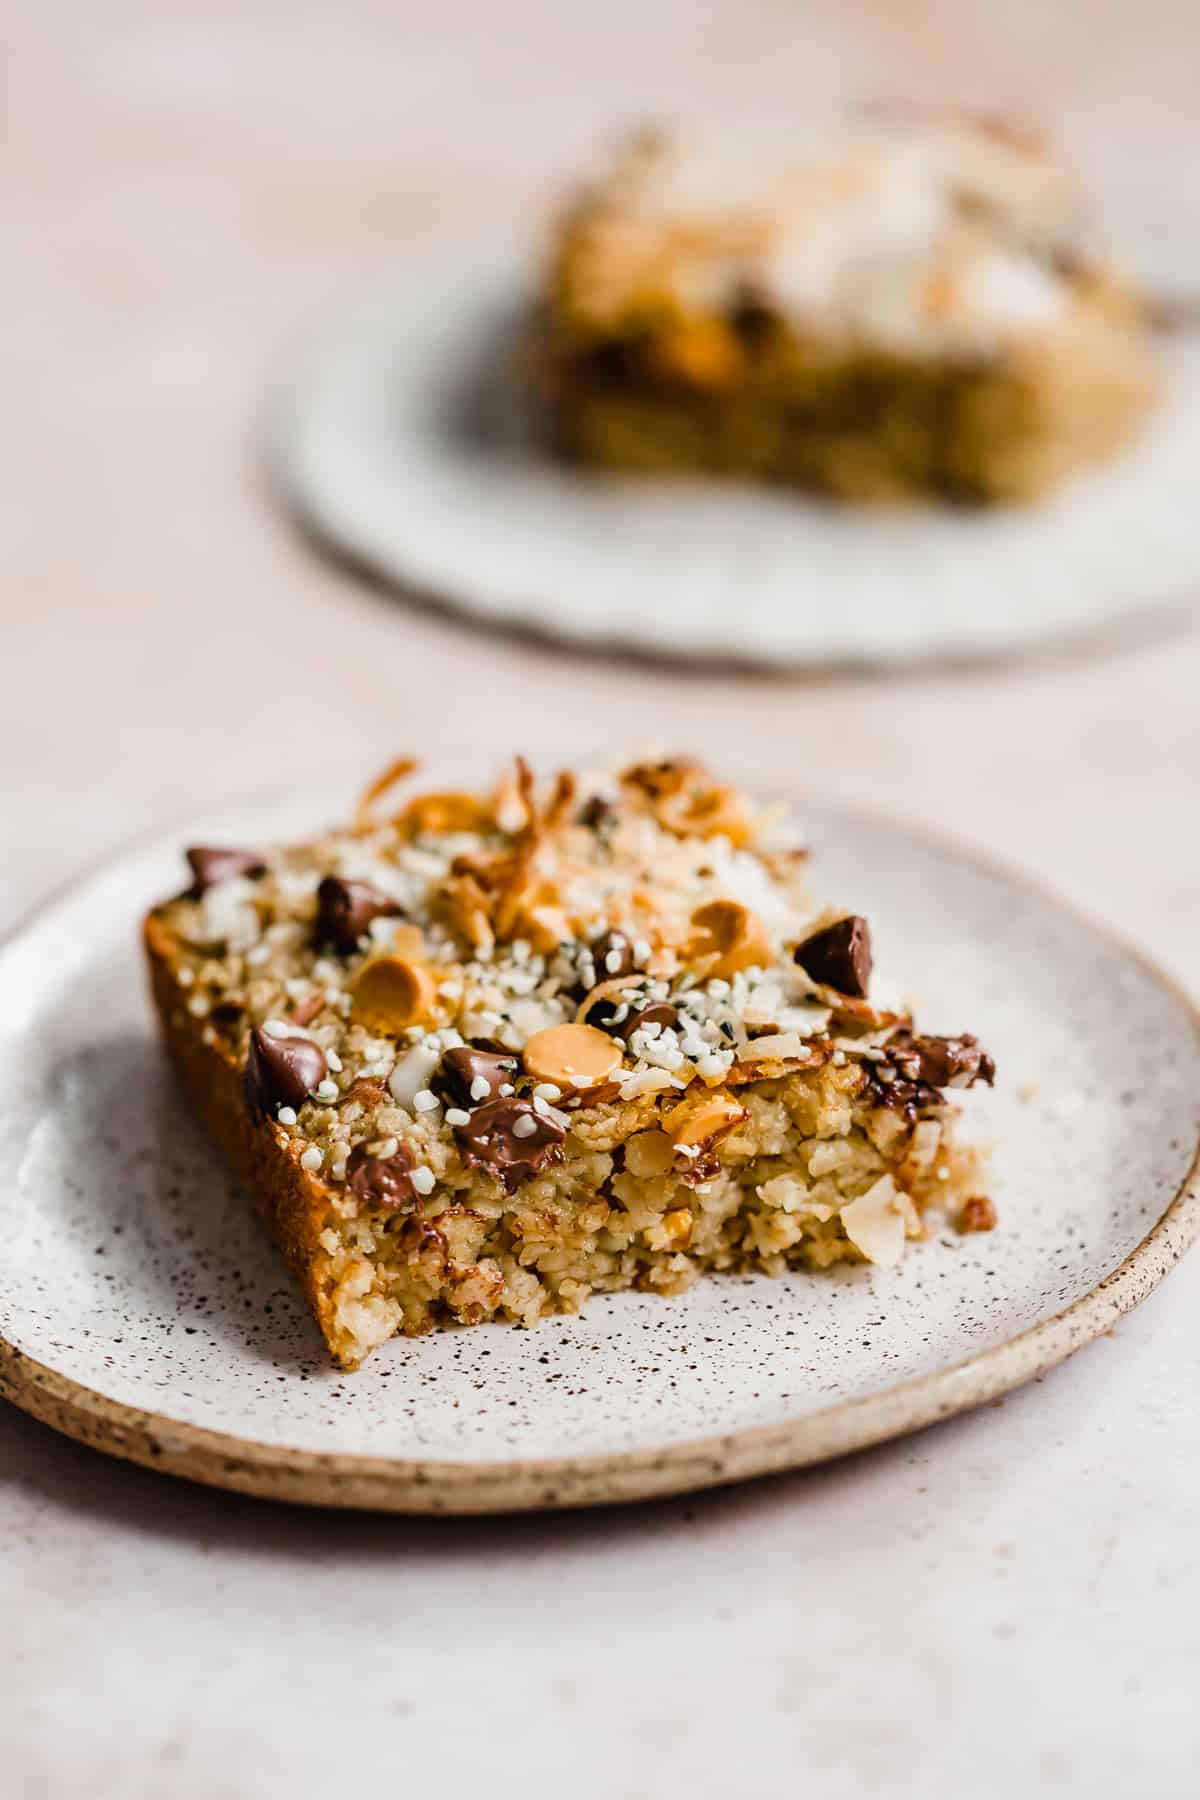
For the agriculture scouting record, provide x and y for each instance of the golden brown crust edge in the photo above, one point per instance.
(294, 1203)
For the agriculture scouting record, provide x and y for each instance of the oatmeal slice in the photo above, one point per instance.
(478, 1056)
(884, 305)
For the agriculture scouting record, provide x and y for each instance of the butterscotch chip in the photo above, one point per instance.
(728, 937)
(429, 815)
(703, 1121)
(390, 993)
(708, 813)
(571, 1056)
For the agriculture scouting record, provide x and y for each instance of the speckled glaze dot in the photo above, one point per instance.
(143, 1308)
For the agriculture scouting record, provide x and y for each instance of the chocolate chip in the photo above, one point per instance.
(612, 954)
(281, 1071)
(941, 1061)
(659, 1012)
(462, 1067)
(751, 318)
(490, 1141)
(345, 910)
(597, 812)
(916, 1068)
(211, 866)
(839, 956)
(380, 1180)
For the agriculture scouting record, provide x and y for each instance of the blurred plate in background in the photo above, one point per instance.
(405, 447)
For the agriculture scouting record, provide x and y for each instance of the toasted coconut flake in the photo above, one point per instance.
(875, 1223)
(364, 817)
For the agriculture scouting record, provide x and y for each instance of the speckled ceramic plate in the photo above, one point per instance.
(143, 1309)
(405, 446)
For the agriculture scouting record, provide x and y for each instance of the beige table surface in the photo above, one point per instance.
(1010, 1603)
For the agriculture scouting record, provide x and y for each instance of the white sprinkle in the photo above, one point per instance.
(546, 1090)
(312, 1158)
(426, 1101)
(838, 1058)
(258, 955)
(540, 1105)
(612, 962)
(505, 1089)
(334, 1061)
(456, 1116)
(525, 1126)
(326, 1090)
(718, 988)
(198, 1006)
(185, 977)
(388, 1147)
(641, 951)
(481, 1087)
(296, 988)
(283, 1028)
(286, 1115)
(422, 1179)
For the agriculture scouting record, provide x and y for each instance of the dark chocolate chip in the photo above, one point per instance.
(615, 945)
(839, 956)
(381, 1180)
(751, 319)
(659, 1012)
(489, 1141)
(462, 1067)
(345, 910)
(211, 866)
(941, 1061)
(281, 1071)
(597, 812)
(916, 1068)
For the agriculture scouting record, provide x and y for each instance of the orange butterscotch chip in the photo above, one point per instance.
(571, 1056)
(390, 993)
(434, 814)
(706, 813)
(728, 937)
(702, 352)
(703, 1121)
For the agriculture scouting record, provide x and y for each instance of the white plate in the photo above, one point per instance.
(406, 447)
(142, 1307)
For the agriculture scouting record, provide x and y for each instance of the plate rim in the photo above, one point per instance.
(405, 1485)
(323, 529)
